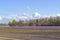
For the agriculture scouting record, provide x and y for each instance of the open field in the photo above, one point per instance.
(29, 33)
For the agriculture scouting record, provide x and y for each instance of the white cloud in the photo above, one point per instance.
(23, 17)
(1, 18)
(28, 7)
(8, 17)
(45, 16)
(58, 14)
(37, 15)
(26, 16)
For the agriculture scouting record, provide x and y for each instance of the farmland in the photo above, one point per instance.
(30, 33)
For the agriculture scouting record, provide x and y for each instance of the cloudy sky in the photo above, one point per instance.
(28, 9)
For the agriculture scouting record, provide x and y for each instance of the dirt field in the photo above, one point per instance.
(29, 34)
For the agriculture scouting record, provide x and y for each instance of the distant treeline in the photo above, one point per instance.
(51, 21)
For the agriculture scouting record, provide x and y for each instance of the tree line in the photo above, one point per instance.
(51, 21)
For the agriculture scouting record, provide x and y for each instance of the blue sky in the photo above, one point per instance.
(18, 6)
(14, 8)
